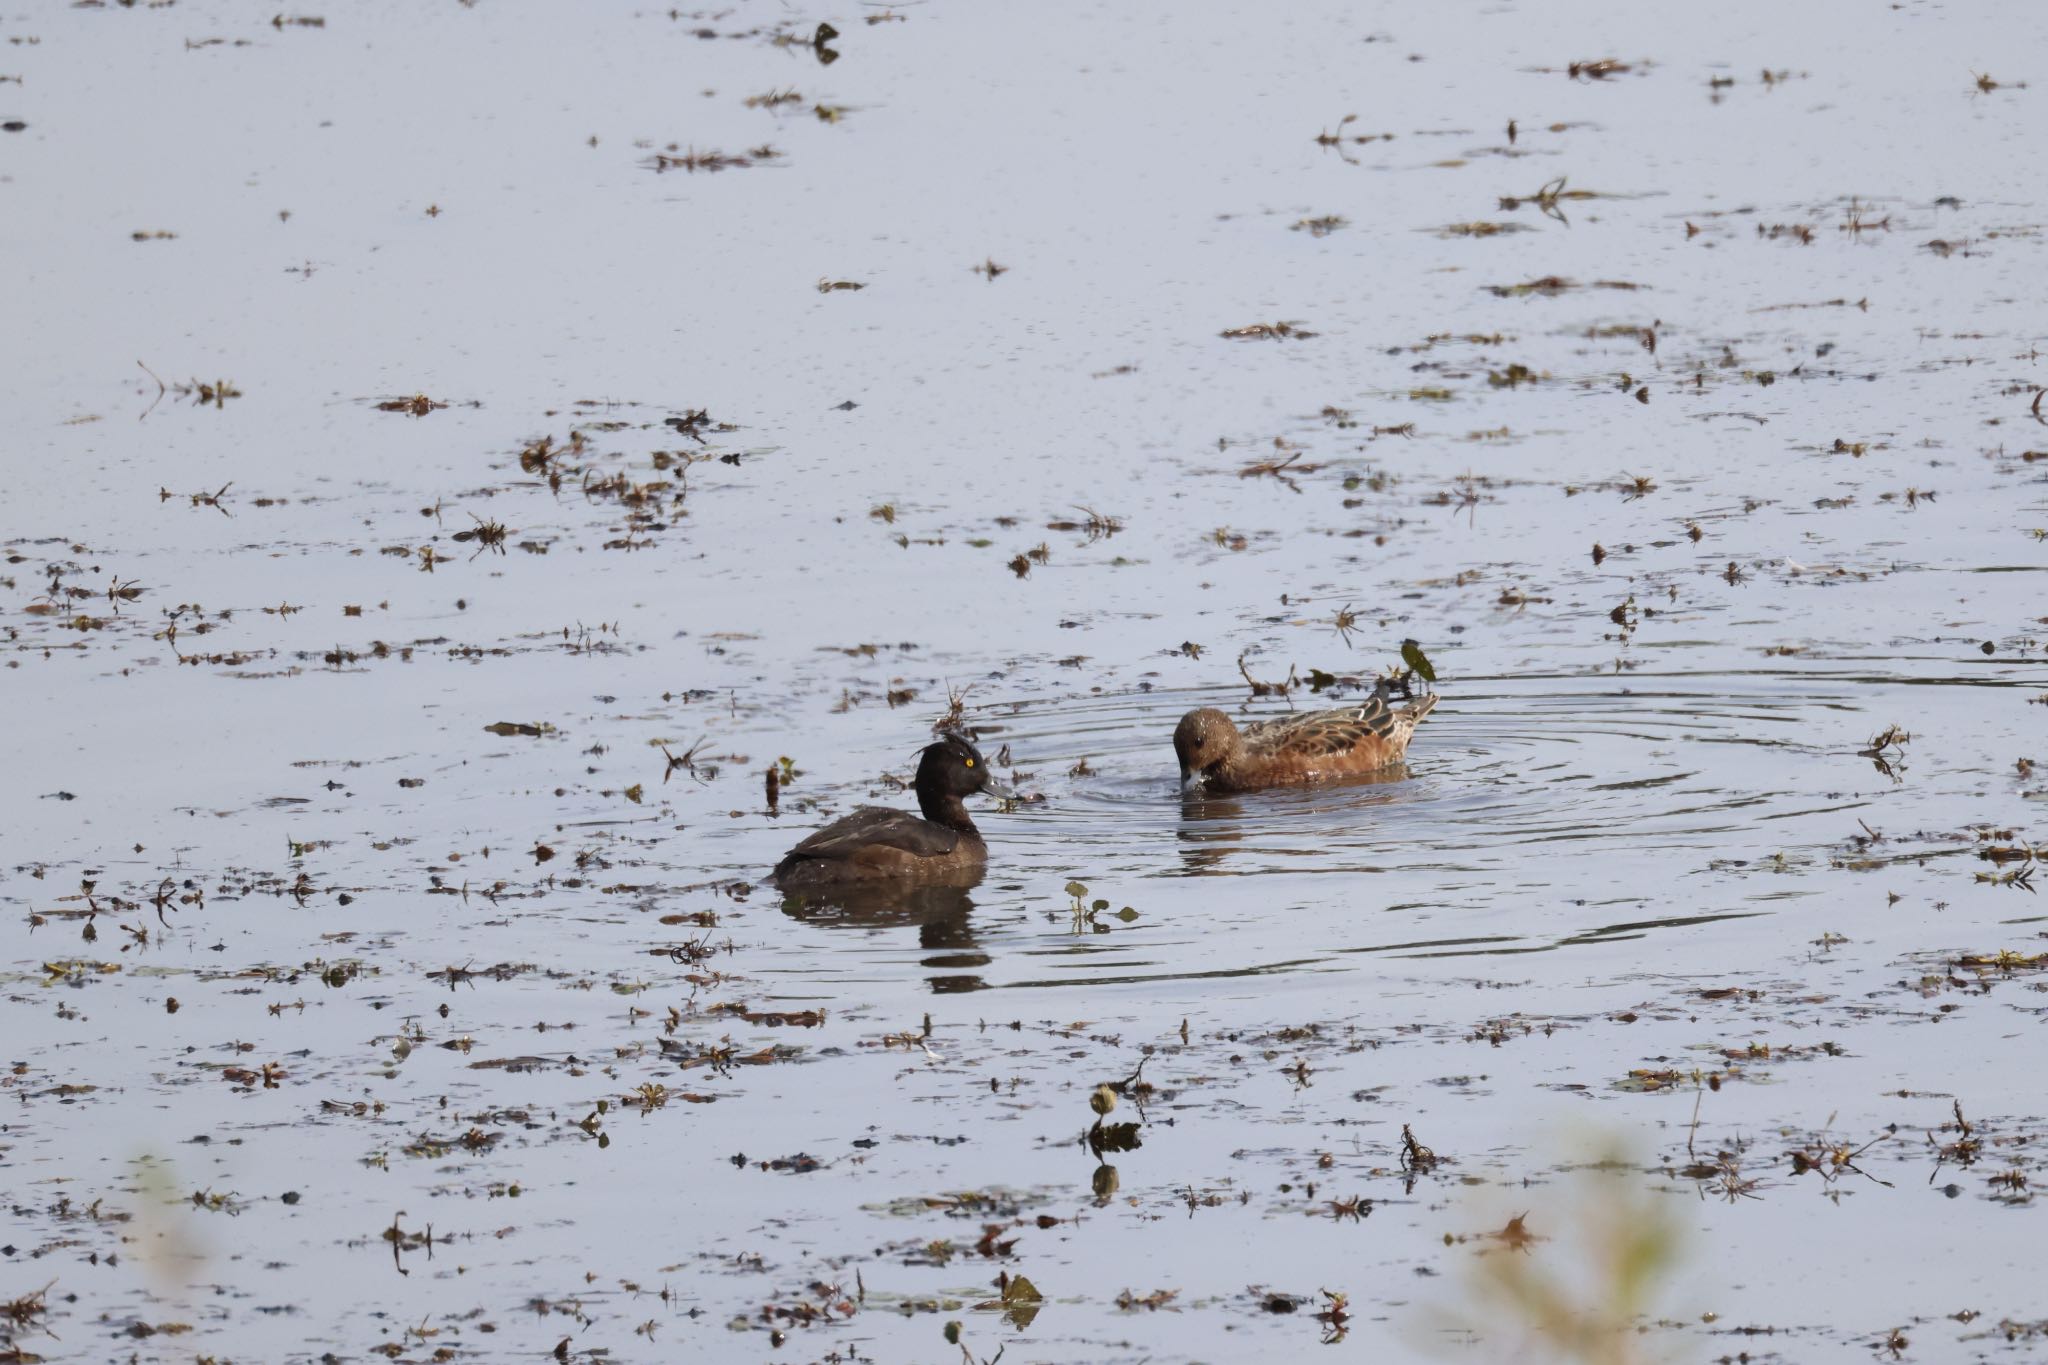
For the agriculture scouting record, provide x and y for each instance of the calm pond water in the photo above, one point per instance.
(457, 450)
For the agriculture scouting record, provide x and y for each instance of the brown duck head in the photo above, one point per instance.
(1204, 740)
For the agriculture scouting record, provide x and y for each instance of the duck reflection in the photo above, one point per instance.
(1211, 826)
(1214, 825)
(940, 911)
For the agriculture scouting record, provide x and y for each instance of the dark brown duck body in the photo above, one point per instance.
(877, 843)
(1318, 746)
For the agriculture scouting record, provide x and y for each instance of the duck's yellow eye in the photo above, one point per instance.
(968, 761)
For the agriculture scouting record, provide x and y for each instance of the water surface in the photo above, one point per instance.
(1682, 409)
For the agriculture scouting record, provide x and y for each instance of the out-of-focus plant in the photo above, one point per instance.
(1576, 1278)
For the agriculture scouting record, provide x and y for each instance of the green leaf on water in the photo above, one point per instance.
(1020, 1303)
(1412, 655)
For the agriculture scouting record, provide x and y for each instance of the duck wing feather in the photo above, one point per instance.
(873, 828)
(1325, 734)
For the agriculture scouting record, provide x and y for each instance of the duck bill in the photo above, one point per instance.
(1191, 781)
(1000, 791)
